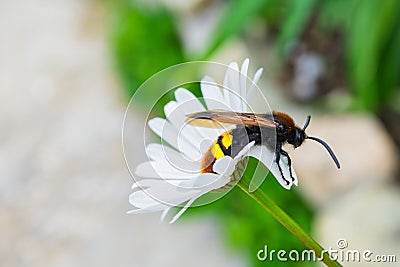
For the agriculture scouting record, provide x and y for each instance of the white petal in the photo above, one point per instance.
(168, 133)
(200, 181)
(267, 157)
(285, 164)
(182, 95)
(154, 207)
(163, 153)
(243, 84)
(224, 166)
(159, 152)
(206, 179)
(254, 83)
(187, 205)
(232, 87)
(225, 91)
(211, 134)
(258, 178)
(162, 170)
(159, 184)
(164, 213)
(257, 75)
(209, 183)
(275, 171)
(143, 201)
(212, 94)
(193, 105)
(146, 210)
(160, 191)
(176, 114)
(169, 108)
(220, 182)
(212, 184)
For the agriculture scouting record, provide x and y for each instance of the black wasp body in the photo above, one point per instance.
(271, 130)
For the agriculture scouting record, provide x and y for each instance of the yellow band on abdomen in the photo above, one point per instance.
(215, 152)
(226, 142)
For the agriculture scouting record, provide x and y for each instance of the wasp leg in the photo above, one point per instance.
(277, 159)
(226, 151)
(283, 152)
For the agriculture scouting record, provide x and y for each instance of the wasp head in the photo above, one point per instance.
(297, 136)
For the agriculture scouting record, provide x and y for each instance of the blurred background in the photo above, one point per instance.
(69, 67)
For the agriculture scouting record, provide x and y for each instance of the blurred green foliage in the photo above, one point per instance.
(144, 40)
(371, 31)
(237, 14)
(373, 50)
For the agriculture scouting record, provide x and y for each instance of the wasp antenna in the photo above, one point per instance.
(327, 148)
(307, 122)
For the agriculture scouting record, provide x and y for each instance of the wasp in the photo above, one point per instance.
(272, 130)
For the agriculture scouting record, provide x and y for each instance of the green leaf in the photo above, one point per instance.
(296, 18)
(372, 26)
(336, 14)
(389, 66)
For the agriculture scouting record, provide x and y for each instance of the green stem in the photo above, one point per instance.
(270, 206)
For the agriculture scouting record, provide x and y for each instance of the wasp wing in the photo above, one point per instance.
(217, 119)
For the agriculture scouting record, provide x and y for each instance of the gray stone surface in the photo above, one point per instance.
(359, 203)
(362, 146)
(368, 218)
(64, 186)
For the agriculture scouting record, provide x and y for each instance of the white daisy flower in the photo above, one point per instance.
(181, 173)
